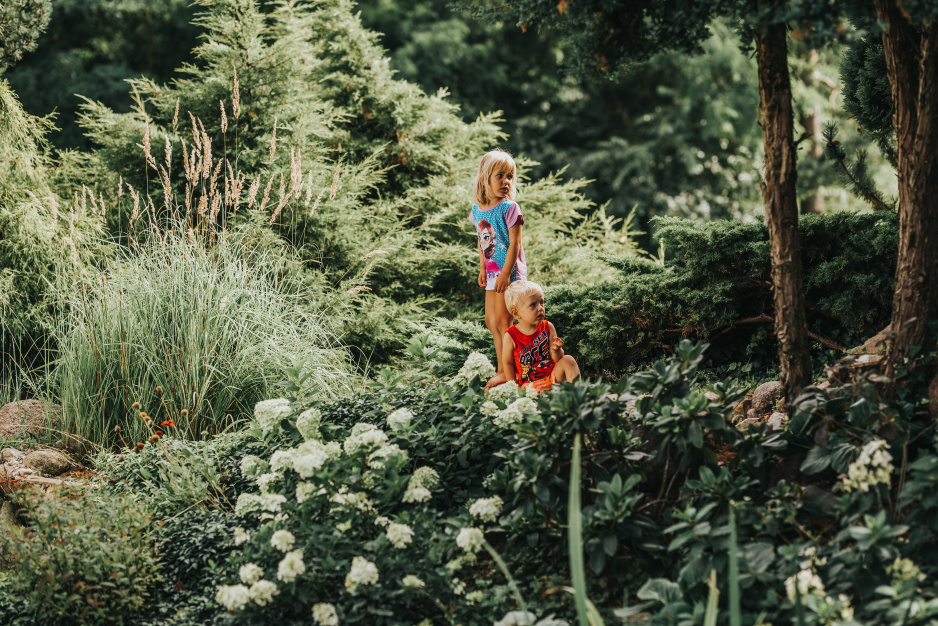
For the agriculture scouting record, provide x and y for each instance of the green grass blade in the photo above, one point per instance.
(575, 537)
(735, 610)
(713, 600)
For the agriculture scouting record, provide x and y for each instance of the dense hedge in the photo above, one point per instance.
(717, 286)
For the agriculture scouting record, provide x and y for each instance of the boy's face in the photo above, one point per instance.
(500, 184)
(531, 309)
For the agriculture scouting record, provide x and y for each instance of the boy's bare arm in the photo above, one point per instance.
(508, 357)
(556, 344)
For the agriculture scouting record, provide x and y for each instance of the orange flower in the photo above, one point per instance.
(167, 423)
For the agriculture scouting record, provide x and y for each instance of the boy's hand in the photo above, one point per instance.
(483, 279)
(556, 344)
(501, 284)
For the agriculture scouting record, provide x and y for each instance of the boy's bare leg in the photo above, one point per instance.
(566, 369)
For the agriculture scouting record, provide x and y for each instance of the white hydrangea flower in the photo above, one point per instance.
(250, 464)
(477, 364)
(517, 618)
(324, 614)
(355, 500)
(269, 413)
(458, 587)
(363, 572)
(283, 540)
(460, 561)
(416, 494)
(400, 419)
(470, 539)
(250, 573)
(263, 592)
(271, 502)
(903, 570)
(291, 566)
(474, 597)
(381, 520)
(343, 526)
(304, 491)
(308, 423)
(412, 581)
(310, 457)
(399, 534)
(506, 392)
(379, 458)
(489, 408)
(425, 477)
(526, 405)
(873, 467)
(241, 536)
(282, 460)
(246, 503)
(233, 597)
(264, 481)
(486, 509)
(808, 583)
(364, 436)
(508, 416)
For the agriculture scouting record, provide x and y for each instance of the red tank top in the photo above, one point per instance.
(532, 353)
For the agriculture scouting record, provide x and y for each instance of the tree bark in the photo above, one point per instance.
(912, 64)
(781, 206)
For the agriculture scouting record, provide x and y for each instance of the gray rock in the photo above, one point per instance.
(9, 454)
(7, 517)
(765, 396)
(825, 500)
(6, 477)
(49, 463)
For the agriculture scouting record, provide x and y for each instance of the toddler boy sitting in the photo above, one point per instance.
(532, 353)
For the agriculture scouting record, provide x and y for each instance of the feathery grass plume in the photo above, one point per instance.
(216, 203)
(267, 192)
(84, 206)
(318, 200)
(147, 152)
(335, 181)
(135, 210)
(230, 181)
(224, 118)
(71, 223)
(252, 190)
(206, 154)
(280, 203)
(168, 152)
(296, 173)
(236, 97)
(188, 198)
(176, 117)
(203, 205)
(101, 202)
(213, 186)
(73, 251)
(190, 237)
(236, 187)
(309, 187)
(185, 160)
(84, 200)
(35, 199)
(167, 188)
(120, 186)
(273, 141)
(196, 137)
(161, 322)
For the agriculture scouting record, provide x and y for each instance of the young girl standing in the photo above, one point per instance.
(498, 222)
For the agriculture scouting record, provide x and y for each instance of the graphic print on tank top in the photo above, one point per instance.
(532, 353)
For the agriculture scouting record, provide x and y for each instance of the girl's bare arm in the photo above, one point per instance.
(514, 244)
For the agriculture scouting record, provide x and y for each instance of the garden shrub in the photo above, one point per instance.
(85, 557)
(717, 286)
(193, 334)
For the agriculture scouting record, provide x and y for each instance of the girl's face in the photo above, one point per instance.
(500, 184)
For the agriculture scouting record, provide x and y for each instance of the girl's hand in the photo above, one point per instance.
(501, 284)
(483, 281)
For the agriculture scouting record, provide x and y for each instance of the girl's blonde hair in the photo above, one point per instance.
(492, 163)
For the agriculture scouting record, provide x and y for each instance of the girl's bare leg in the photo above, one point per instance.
(566, 369)
(497, 320)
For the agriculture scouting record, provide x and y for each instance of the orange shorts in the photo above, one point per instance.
(540, 386)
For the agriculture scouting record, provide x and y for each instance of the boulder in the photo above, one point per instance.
(874, 344)
(7, 475)
(9, 454)
(765, 396)
(27, 416)
(48, 463)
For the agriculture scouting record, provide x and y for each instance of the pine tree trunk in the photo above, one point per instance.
(781, 207)
(912, 64)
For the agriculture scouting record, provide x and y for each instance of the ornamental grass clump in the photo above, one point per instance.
(214, 328)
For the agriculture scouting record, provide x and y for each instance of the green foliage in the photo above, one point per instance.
(718, 287)
(867, 95)
(86, 557)
(21, 23)
(213, 328)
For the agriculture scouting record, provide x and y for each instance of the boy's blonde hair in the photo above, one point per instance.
(518, 291)
(493, 162)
